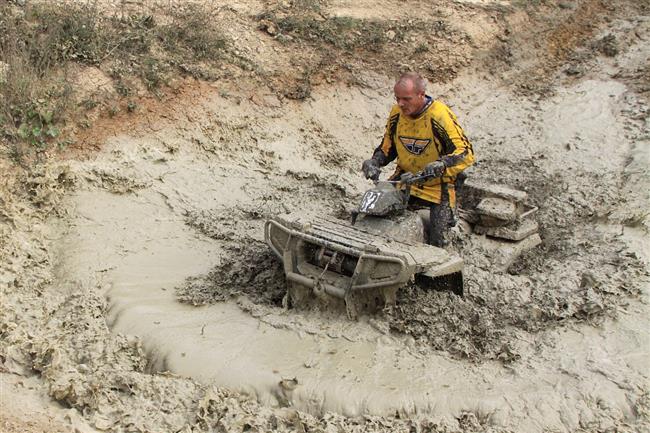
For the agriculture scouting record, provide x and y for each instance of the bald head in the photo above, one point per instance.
(413, 80)
(410, 94)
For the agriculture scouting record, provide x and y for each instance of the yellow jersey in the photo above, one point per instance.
(415, 142)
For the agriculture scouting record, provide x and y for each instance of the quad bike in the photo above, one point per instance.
(361, 264)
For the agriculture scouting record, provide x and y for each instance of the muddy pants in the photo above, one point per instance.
(441, 219)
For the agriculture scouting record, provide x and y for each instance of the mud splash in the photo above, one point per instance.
(248, 269)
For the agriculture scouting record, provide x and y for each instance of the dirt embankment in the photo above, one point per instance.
(92, 250)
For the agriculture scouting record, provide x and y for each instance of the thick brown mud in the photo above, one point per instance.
(248, 269)
(153, 304)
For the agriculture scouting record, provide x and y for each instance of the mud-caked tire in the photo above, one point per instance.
(444, 283)
(370, 301)
(297, 296)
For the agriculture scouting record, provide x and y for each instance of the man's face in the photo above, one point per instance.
(409, 100)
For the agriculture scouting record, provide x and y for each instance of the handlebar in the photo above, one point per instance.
(415, 179)
(419, 177)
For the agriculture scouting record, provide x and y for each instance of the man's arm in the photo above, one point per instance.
(456, 153)
(386, 151)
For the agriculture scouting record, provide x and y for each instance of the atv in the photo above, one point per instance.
(361, 264)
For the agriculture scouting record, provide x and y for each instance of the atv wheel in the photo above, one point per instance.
(447, 283)
(297, 296)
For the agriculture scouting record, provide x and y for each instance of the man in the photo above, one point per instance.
(425, 137)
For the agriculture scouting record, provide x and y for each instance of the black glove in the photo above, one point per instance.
(434, 169)
(371, 169)
(407, 178)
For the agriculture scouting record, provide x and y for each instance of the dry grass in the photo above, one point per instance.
(306, 22)
(40, 41)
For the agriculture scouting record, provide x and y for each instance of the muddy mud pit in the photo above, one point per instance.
(138, 294)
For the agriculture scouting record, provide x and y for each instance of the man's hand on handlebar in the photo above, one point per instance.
(431, 170)
(408, 178)
(434, 169)
(371, 169)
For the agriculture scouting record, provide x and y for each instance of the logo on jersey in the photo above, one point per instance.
(414, 145)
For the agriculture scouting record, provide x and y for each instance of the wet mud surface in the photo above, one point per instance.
(584, 274)
(581, 272)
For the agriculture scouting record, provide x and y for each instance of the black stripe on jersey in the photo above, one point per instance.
(379, 154)
(460, 132)
(393, 127)
(448, 146)
(381, 157)
(443, 138)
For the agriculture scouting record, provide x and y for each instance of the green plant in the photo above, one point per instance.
(16, 153)
(341, 32)
(122, 88)
(421, 48)
(307, 5)
(137, 34)
(63, 32)
(31, 113)
(62, 144)
(39, 40)
(153, 73)
(525, 4)
(37, 127)
(112, 112)
(89, 103)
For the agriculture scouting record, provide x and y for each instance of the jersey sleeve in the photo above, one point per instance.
(386, 151)
(456, 152)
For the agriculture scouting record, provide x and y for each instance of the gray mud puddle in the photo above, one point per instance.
(145, 251)
(140, 250)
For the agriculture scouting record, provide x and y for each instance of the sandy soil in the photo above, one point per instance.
(138, 295)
